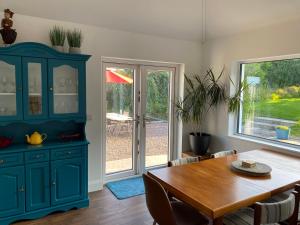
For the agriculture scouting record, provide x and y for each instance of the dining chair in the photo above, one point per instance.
(183, 161)
(285, 195)
(165, 212)
(223, 153)
(267, 213)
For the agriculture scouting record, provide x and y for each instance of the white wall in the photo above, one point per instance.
(282, 39)
(104, 42)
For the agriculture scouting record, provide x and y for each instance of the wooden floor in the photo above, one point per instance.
(104, 209)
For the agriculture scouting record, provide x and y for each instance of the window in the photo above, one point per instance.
(270, 107)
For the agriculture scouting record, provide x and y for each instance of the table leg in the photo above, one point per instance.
(218, 221)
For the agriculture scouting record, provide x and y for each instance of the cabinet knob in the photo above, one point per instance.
(51, 89)
(38, 156)
(22, 189)
(69, 153)
(53, 183)
(1, 161)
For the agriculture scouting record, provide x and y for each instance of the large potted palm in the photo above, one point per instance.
(202, 94)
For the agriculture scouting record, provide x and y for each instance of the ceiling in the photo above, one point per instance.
(180, 19)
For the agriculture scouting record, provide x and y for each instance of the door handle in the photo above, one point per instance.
(22, 189)
(144, 120)
(137, 119)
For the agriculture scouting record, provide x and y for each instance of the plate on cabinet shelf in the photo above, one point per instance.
(66, 94)
(7, 93)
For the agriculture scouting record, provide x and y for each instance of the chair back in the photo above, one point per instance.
(269, 213)
(223, 153)
(157, 202)
(183, 161)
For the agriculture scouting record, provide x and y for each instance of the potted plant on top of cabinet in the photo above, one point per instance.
(74, 40)
(202, 94)
(57, 37)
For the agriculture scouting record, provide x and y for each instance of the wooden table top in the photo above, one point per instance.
(214, 189)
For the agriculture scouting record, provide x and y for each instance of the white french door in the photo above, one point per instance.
(157, 96)
(139, 118)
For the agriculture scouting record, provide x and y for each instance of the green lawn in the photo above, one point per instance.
(288, 109)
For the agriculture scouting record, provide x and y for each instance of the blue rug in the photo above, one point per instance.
(127, 188)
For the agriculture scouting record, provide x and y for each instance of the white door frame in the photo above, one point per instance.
(135, 134)
(175, 126)
(171, 107)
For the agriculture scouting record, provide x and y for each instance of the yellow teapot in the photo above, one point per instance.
(36, 138)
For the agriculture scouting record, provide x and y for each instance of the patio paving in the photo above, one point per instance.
(119, 153)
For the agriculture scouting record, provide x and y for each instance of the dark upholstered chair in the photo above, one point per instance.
(285, 211)
(165, 212)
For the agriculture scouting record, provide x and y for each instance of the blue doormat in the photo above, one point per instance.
(127, 188)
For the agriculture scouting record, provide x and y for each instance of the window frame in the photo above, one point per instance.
(235, 121)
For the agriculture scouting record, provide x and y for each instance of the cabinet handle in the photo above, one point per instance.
(22, 189)
(2, 161)
(51, 89)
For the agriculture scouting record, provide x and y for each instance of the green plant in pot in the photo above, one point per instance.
(57, 37)
(202, 94)
(74, 40)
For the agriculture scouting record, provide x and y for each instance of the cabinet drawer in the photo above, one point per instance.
(11, 160)
(37, 156)
(66, 153)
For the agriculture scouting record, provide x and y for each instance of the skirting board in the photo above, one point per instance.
(95, 185)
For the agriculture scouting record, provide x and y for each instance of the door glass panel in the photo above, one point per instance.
(119, 119)
(156, 118)
(8, 97)
(65, 88)
(35, 88)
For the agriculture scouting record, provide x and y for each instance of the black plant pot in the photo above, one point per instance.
(199, 143)
(8, 35)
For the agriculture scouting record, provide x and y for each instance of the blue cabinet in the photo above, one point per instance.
(37, 182)
(38, 83)
(67, 88)
(42, 90)
(10, 88)
(37, 186)
(12, 194)
(35, 88)
(67, 180)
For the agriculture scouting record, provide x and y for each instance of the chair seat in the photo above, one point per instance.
(186, 215)
(244, 216)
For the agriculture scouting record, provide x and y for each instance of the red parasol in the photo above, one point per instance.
(114, 77)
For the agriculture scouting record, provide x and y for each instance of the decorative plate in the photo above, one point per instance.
(260, 169)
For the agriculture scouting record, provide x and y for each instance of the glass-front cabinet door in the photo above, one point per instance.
(10, 88)
(35, 88)
(67, 88)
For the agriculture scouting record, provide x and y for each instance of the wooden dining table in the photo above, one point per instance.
(213, 188)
